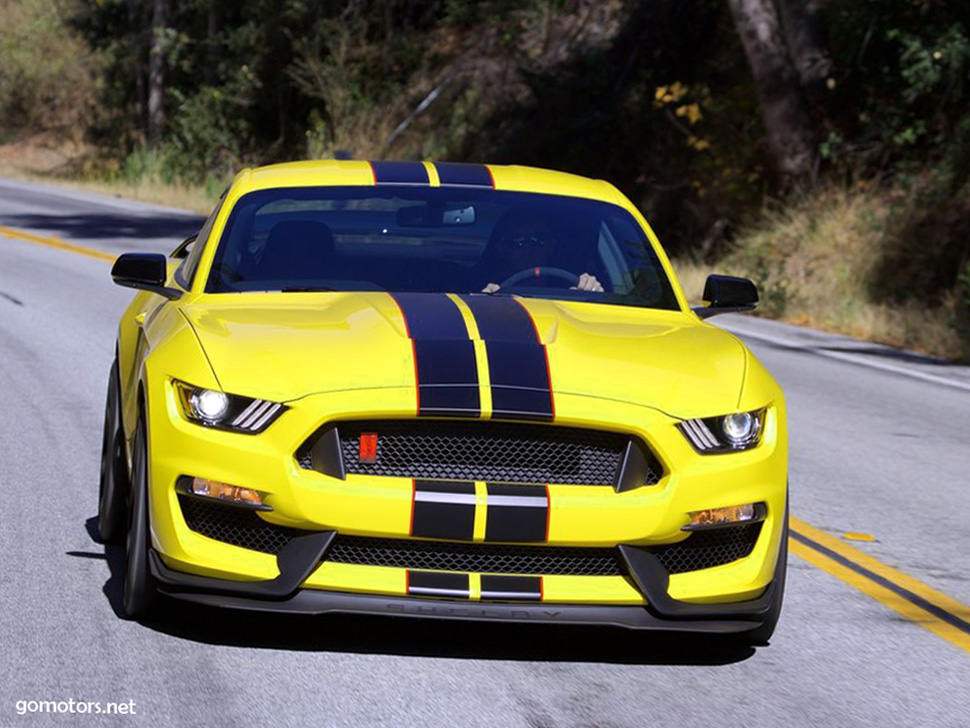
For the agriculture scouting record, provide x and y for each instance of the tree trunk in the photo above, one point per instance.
(779, 91)
(156, 73)
(137, 39)
(213, 53)
(807, 42)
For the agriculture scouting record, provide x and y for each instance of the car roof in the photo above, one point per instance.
(332, 172)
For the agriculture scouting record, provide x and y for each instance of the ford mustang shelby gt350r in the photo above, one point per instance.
(441, 390)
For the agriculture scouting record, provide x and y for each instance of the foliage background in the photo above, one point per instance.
(654, 95)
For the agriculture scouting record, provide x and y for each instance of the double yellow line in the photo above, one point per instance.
(54, 242)
(909, 597)
(900, 592)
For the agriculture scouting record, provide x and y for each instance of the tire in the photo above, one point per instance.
(115, 485)
(140, 592)
(761, 635)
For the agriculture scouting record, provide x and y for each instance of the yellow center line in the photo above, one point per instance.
(902, 593)
(54, 242)
(933, 610)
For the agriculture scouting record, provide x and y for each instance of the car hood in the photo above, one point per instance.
(283, 347)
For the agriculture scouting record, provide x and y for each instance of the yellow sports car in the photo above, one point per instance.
(441, 390)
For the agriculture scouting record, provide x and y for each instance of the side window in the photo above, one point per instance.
(191, 263)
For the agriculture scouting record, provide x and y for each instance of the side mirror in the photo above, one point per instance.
(726, 294)
(182, 251)
(144, 271)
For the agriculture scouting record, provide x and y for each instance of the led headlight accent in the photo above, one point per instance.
(213, 408)
(730, 433)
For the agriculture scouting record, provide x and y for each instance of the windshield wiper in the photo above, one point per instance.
(308, 289)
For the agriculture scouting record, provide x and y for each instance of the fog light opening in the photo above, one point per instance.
(230, 494)
(728, 516)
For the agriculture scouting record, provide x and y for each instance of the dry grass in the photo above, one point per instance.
(196, 199)
(813, 261)
(41, 158)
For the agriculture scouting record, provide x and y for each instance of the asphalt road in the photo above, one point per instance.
(881, 445)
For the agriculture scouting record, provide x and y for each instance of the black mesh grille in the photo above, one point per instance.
(705, 549)
(489, 451)
(244, 528)
(236, 526)
(485, 558)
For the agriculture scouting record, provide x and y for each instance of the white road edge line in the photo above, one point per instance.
(850, 358)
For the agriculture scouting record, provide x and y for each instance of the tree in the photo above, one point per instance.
(807, 41)
(156, 72)
(777, 83)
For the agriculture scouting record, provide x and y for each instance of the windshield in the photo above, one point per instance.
(438, 239)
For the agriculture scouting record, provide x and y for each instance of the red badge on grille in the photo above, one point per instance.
(368, 447)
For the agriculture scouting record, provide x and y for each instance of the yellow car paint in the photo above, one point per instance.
(339, 356)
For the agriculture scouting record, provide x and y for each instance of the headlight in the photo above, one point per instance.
(730, 433)
(212, 408)
(208, 405)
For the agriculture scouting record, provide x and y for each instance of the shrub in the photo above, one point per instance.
(49, 77)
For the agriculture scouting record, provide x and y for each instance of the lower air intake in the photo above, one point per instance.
(706, 549)
(484, 558)
(244, 528)
(236, 526)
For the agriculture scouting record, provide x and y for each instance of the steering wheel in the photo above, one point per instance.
(540, 270)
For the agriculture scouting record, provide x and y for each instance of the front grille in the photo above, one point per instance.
(706, 549)
(236, 526)
(487, 451)
(485, 558)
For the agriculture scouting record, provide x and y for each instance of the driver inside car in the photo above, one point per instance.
(522, 243)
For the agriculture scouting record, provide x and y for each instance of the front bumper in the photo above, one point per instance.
(381, 507)
(299, 559)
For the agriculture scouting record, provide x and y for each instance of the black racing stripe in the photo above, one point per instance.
(516, 513)
(438, 584)
(465, 175)
(519, 375)
(443, 510)
(432, 316)
(517, 361)
(445, 366)
(511, 588)
(447, 379)
(501, 318)
(915, 599)
(400, 173)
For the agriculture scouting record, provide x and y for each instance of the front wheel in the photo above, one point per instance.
(114, 487)
(140, 592)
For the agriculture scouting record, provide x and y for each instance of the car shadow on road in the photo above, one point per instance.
(414, 637)
(108, 226)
